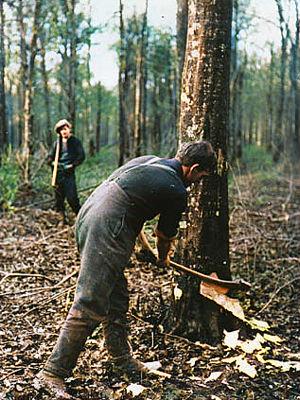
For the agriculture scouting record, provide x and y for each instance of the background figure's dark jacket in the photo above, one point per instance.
(75, 151)
(154, 188)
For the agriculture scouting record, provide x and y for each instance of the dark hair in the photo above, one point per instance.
(200, 152)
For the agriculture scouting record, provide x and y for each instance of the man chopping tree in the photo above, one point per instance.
(67, 153)
(106, 230)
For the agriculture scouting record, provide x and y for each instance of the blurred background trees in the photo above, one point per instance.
(45, 74)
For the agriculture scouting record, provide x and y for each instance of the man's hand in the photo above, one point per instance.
(163, 263)
(67, 167)
(163, 244)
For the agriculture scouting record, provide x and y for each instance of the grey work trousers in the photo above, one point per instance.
(106, 230)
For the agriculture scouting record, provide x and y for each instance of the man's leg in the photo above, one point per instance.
(71, 193)
(60, 200)
(116, 330)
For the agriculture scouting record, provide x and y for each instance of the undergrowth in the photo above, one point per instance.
(9, 180)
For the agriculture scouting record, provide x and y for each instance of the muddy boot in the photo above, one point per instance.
(119, 348)
(54, 384)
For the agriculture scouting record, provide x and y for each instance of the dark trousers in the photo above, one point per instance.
(66, 189)
(105, 239)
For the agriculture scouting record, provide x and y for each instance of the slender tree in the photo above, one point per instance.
(98, 116)
(285, 34)
(3, 121)
(45, 76)
(28, 70)
(181, 27)
(122, 90)
(294, 77)
(205, 115)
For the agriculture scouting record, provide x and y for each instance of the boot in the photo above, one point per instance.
(119, 348)
(54, 384)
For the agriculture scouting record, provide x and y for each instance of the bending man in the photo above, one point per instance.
(106, 229)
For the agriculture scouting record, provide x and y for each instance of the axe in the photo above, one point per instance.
(55, 165)
(239, 284)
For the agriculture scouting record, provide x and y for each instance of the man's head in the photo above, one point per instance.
(63, 127)
(198, 159)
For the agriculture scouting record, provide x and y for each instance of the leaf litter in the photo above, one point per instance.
(39, 265)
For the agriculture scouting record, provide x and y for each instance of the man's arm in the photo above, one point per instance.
(167, 228)
(163, 245)
(80, 155)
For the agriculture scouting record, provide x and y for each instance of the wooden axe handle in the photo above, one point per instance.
(237, 284)
(55, 166)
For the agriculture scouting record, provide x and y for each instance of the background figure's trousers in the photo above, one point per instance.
(66, 189)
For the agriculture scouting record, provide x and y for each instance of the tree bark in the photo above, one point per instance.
(98, 116)
(44, 71)
(205, 115)
(279, 137)
(122, 98)
(27, 107)
(181, 28)
(73, 63)
(3, 120)
(294, 75)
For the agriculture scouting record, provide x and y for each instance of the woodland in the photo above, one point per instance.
(242, 223)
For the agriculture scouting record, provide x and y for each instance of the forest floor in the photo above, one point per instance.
(38, 267)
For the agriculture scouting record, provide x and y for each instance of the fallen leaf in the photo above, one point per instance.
(159, 373)
(285, 366)
(246, 368)
(177, 293)
(213, 376)
(272, 338)
(231, 339)
(192, 361)
(258, 324)
(230, 360)
(249, 346)
(134, 389)
(154, 365)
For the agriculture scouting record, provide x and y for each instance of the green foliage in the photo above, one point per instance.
(95, 170)
(257, 159)
(9, 180)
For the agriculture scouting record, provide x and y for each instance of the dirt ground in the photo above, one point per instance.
(38, 268)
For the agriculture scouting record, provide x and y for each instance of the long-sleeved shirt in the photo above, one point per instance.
(155, 186)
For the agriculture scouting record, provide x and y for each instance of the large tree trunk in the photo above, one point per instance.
(205, 115)
(3, 124)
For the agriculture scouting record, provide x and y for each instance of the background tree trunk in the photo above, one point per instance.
(181, 28)
(44, 72)
(98, 117)
(28, 97)
(122, 93)
(279, 132)
(205, 115)
(3, 121)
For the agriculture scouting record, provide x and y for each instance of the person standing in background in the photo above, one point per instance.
(70, 154)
